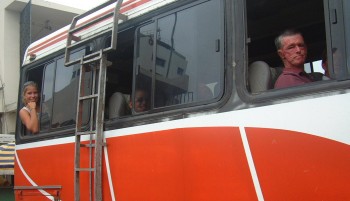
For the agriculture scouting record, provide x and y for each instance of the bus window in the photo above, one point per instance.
(323, 25)
(35, 75)
(56, 83)
(264, 24)
(179, 56)
(66, 84)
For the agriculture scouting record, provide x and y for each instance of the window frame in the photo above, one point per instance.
(285, 94)
(50, 133)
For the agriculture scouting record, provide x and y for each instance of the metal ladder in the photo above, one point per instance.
(95, 66)
(95, 100)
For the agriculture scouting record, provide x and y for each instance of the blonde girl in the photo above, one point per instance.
(29, 113)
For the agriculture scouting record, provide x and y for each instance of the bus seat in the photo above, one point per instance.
(275, 73)
(259, 76)
(317, 76)
(118, 106)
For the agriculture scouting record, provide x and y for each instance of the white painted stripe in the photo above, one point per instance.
(326, 117)
(48, 196)
(251, 165)
(45, 143)
(109, 176)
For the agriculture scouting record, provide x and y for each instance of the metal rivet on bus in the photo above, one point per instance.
(234, 64)
(32, 57)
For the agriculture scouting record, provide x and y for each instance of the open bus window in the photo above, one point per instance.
(58, 86)
(35, 75)
(267, 19)
(179, 56)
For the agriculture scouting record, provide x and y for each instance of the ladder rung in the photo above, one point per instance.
(84, 169)
(86, 133)
(92, 55)
(95, 59)
(76, 38)
(122, 17)
(91, 145)
(93, 22)
(81, 42)
(87, 145)
(88, 97)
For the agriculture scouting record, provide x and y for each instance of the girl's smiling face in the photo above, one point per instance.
(31, 94)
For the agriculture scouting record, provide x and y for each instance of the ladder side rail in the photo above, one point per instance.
(92, 103)
(78, 126)
(87, 40)
(91, 127)
(91, 96)
(107, 3)
(105, 50)
(90, 23)
(87, 58)
(74, 28)
(90, 166)
(99, 127)
(115, 24)
(69, 40)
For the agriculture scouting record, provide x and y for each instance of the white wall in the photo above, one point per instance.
(9, 65)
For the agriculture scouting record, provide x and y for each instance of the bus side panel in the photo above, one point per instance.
(46, 166)
(181, 164)
(298, 166)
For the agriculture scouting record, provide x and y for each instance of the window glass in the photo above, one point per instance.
(187, 65)
(338, 68)
(64, 107)
(188, 55)
(47, 99)
(144, 63)
(347, 33)
(65, 93)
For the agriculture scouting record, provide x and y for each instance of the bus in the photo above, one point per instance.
(212, 126)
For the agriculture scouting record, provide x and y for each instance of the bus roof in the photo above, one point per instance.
(57, 40)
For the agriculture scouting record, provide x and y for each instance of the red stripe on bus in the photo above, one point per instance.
(134, 5)
(59, 37)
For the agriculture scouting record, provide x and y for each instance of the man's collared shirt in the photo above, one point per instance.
(292, 77)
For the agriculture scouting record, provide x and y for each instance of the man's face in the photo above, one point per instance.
(293, 51)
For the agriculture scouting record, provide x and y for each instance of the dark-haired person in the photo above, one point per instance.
(142, 102)
(293, 51)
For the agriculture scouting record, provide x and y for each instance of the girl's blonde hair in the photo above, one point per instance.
(25, 88)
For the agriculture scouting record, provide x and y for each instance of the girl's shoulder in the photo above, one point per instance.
(26, 109)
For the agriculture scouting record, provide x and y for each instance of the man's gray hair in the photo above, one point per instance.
(288, 32)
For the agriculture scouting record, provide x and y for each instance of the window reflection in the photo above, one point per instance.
(187, 66)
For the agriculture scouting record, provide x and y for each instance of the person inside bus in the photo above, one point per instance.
(293, 51)
(29, 114)
(325, 64)
(204, 92)
(142, 102)
(336, 58)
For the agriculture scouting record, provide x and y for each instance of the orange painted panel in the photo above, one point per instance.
(182, 164)
(46, 166)
(297, 166)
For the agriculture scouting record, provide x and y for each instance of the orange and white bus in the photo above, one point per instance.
(212, 127)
